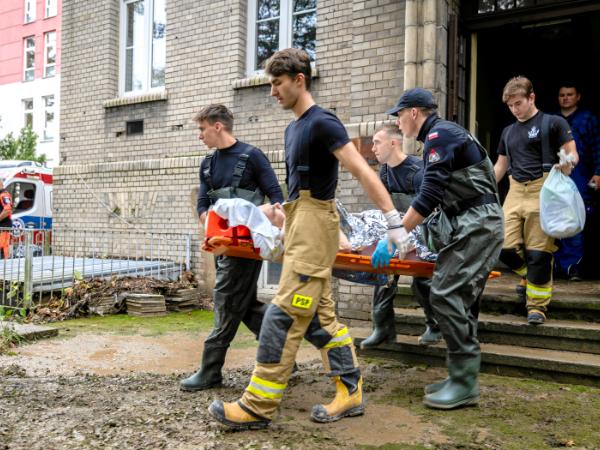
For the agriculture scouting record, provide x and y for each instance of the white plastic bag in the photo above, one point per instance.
(562, 212)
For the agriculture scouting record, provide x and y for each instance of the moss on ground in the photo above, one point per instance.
(513, 414)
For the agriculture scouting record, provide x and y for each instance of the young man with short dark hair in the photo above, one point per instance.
(529, 149)
(234, 170)
(315, 142)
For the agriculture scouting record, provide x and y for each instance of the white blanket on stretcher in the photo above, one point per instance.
(267, 237)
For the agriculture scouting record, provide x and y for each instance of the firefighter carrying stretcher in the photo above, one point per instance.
(304, 308)
(467, 232)
(234, 170)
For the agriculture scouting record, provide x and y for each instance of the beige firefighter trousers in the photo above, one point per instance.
(523, 232)
(302, 308)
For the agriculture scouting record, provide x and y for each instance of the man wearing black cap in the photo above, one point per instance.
(467, 233)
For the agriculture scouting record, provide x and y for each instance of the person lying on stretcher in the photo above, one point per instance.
(267, 223)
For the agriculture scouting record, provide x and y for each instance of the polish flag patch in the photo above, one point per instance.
(432, 136)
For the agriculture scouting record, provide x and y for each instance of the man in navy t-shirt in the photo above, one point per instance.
(234, 170)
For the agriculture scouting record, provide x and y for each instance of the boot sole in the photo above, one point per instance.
(471, 401)
(236, 426)
(423, 343)
(391, 340)
(352, 412)
(200, 388)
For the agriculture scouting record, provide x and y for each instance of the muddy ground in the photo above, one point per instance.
(102, 386)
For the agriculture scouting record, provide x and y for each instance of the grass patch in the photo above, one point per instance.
(9, 338)
(513, 414)
(194, 322)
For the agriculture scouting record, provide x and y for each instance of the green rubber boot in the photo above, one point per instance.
(434, 387)
(209, 375)
(462, 387)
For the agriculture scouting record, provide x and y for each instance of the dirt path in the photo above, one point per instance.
(115, 391)
(109, 354)
(107, 391)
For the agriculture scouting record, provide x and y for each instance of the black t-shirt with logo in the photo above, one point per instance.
(524, 142)
(320, 133)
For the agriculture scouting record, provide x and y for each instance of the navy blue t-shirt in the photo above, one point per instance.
(447, 148)
(320, 133)
(405, 178)
(258, 173)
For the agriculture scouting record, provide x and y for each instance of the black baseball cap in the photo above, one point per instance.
(413, 98)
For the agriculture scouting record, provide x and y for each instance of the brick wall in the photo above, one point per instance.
(360, 48)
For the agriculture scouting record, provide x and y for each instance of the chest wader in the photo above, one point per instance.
(461, 272)
(384, 323)
(527, 250)
(234, 295)
(302, 308)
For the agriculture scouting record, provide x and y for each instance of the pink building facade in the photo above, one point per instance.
(30, 42)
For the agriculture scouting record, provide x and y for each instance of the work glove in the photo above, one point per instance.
(397, 240)
(566, 162)
(397, 234)
(383, 253)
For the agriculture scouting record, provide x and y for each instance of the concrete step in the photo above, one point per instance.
(507, 360)
(29, 332)
(575, 336)
(571, 300)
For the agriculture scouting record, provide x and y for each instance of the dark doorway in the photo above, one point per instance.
(548, 53)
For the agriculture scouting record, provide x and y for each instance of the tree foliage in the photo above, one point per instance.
(21, 148)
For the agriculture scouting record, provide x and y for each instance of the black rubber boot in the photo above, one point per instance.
(461, 389)
(209, 375)
(384, 326)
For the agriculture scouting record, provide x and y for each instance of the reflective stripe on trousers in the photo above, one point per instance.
(303, 306)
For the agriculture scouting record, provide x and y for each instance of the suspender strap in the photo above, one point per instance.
(462, 206)
(238, 170)
(505, 140)
(386, 177)
(206, 171)
(548, 157)
(304, 164)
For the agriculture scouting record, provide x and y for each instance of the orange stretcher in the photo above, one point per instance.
(221, 239)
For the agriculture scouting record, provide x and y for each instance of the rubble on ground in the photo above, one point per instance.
(108, 296)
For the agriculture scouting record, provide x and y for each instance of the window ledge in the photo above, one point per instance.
(260, 79)
(134, 99)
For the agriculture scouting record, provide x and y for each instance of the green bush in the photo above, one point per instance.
(21, 148)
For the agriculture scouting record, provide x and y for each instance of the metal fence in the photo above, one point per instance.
(44, 262)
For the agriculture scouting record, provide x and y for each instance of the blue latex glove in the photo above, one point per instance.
(383, 253)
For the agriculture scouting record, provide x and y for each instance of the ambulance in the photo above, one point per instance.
(30, 185)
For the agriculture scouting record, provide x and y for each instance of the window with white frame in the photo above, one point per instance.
(48, 117)
(278, 24)
(143, 45)
(29, 58)
(268, 280)
(50, 8)
(50, 54)
(27, 112)
(29, 11)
